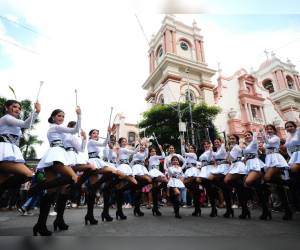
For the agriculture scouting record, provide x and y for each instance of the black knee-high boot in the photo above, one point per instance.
(294, 185)
(227, 192)
(288, 214)
(60, 209)
(212, 195)
(196, 195)
(119, 200)
(176, 203)
(60, 181)
(242, 193)
(90, 207)
(137, 201)
(45, 205)
(263, 196)
(106, 197)
(155, 210)
(13, 181)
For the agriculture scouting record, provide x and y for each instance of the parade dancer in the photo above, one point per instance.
(293, 148)
(53, 163)
(254, 176)
(191, 171)
(159, 179)
(218, 173)
(123, 154)
(13, 170)
(207, 164)
(175, 182)
(276, 166)
(236, 174)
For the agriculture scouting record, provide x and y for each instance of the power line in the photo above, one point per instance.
(19, 46)
(24, 26)
(142, 29)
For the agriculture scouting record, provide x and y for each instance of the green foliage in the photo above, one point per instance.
(27, 141)
(163, 121)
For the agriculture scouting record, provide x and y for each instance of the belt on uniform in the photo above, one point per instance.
(191, 164)
(71, 149)
(57, 143)
(250, 156)
(221, 161)
(176, 176)
(237, 159)
(272, 150)
(10, 138)
(138, 162)
(153, 167)
(125, 161)
(207, 163)
(294, 149)
(93, 155)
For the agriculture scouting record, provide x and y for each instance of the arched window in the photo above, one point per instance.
(184, 48)
(268, 85)
(131, 137)
(161, 99)
(192, 96)
(290, 82)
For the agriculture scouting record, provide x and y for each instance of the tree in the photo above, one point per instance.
(163, 121)
(27, 141)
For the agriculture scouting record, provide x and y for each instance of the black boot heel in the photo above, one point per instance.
(288, 215)
(106, 217)
(197, 212)
(245, 214)
(120, 215)
(61, 225)
(43, 231)
(156, 212)
(91, 220)
(228, 213)
(214, 212)
(138, 212)
(266, 215)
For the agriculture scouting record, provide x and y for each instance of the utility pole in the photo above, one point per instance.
(187, 70)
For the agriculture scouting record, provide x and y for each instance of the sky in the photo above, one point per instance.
(98, 48)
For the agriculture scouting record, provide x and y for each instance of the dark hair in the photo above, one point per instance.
(236, 137)
(271, 126)
(290, 122)
(71, 124)
(206, 141)
(194, 147)
(249, 132)
(54, 113)
(7, 104)
(171, 145)
(121, 139)
(175, 157)
(90, 133)
(219, 139)
(151, 148)
(112, 137)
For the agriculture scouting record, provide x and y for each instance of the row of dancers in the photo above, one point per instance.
(225, 168)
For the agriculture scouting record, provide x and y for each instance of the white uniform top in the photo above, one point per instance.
(124, 153)
(167, 162)
(252, 147)
(72, 141)
(109, 154)
(293, 140)
(236, 152)
(11, 125)
(206, 156)
(58, 132)
(271, 141)
(154, 160)
(175, 172)
(140, 156)
(221, 153)
(190, 158)
(94, 146)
